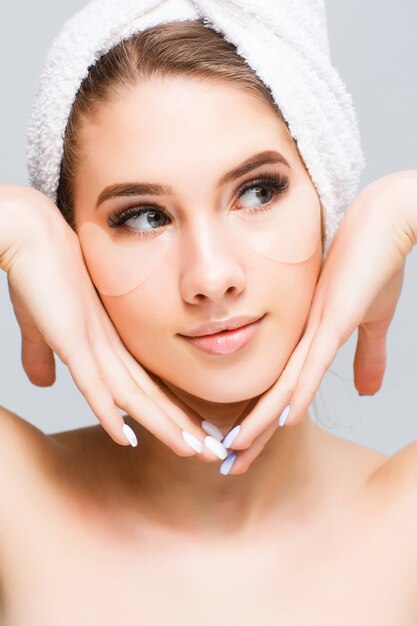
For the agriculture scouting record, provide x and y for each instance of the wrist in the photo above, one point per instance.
(19, 217)
(397, 194)
(407, 196)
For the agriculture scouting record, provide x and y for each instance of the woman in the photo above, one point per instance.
(170, 540)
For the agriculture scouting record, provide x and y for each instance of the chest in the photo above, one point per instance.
(67, 567)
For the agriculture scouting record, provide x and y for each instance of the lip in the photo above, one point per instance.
(226, 341)
(217, 326)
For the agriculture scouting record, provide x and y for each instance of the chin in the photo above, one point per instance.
(219, 388)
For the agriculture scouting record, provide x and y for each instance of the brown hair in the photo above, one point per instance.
(177, 49)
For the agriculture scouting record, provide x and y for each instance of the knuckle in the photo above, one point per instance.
(318, 360)
(128, 399)
(91, 388)
(309, 392)
(289, 390)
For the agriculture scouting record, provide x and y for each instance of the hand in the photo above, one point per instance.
(359, 286)
(58, 310)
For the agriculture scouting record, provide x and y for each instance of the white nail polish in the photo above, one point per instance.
(192, 441)
(130, 435)
(216, 447)
(212, 430)
(231, 436)
(227, 465)
(283, 416)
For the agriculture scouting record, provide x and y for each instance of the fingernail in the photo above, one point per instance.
(212, 430)
(216, 447)
(283, 416)
(192, 441)
(231, 436)
(130, 435)
(227, 465)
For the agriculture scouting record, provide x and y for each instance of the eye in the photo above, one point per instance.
(273, 184)
(149, 220)
(145, 218)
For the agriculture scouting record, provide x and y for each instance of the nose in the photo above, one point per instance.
(211, 263)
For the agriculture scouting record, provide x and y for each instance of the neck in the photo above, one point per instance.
(185, 493)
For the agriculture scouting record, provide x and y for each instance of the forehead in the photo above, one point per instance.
(158, 119)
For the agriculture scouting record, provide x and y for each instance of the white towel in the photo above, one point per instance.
(284, 41)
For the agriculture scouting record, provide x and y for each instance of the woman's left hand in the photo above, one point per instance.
(359, 287)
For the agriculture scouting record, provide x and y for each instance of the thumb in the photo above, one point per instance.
(37, 357)
(370, 357)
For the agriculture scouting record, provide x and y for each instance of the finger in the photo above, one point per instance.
(245, 458)
(103, 324)
(180, 412)
(370, 358)
(37, 357)
(272, 402)
(103, 332)
(183, 415)
(320, 356)
(84, 371)
(130, 397)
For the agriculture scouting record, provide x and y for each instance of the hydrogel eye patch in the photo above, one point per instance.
(284, 231)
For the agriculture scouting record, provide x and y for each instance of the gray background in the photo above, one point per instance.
(374, 48)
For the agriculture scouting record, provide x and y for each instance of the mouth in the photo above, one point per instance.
(226, 341)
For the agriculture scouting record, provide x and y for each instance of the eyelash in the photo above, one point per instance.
(278, 182)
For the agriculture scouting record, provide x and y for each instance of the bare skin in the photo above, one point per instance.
(316, 531)
(81, 542)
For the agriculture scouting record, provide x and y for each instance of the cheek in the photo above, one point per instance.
(293, 293)
(289, 295)
(292, 296)
(143, 318)
(148, 318)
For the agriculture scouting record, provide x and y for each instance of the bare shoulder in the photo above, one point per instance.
(392, 479)
(398, 473)
(29, 454)
(388, 484)
(18, 436)
(362, 461)
(394, 483)
(395, 475)
(25, 453)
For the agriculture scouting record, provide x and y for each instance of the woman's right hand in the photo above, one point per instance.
(359, 287)
(58, 310)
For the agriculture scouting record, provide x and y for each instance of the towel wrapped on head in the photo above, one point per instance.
(284, 41)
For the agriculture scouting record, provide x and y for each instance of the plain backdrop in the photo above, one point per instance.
(374, 47)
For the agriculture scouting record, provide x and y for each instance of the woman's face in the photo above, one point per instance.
(187, 135)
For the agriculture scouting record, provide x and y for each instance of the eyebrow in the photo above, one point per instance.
(152, 189)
